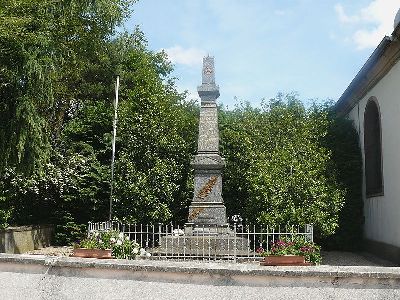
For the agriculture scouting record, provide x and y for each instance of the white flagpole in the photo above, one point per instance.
(113, 143)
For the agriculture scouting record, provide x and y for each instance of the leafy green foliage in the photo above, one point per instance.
(5, 208)
(156, 131)
(342, 140)
(155, 141)
(48, 50)
(69, 232)
(278, 165)
(68, 193)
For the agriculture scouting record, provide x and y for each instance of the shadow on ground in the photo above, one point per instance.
(339, 258)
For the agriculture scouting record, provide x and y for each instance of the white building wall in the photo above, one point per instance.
(382, 213)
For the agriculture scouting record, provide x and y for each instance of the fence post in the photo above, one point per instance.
(234, 243)
(310, 232)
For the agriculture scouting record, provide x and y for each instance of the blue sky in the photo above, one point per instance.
(262, 47)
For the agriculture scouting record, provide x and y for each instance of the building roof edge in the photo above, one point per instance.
(357, 87)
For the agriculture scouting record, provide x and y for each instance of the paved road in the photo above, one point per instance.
(20, 286)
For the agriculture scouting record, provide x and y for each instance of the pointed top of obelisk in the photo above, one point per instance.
(208, 91)
(208, 70)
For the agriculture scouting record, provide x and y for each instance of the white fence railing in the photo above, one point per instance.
(205, 242)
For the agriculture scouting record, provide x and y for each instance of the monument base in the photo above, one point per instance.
(204, 245)
(204, 240)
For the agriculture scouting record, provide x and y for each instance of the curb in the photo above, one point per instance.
(206, 273)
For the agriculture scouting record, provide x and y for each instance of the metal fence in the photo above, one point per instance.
(235, 242)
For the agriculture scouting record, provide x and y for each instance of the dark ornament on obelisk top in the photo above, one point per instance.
(207, 207)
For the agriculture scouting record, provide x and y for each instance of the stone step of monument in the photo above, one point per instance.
(209, 230)
(208, 244)
(221, 255)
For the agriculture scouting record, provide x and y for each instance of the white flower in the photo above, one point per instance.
(96, 233)
(119, 242)
(100, 242)
(142, 251)
(112, 240)
(127, 238)
(135, 250)
(178, 232)
(148, 254)
(121, 235)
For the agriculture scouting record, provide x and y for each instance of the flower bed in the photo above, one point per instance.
(298, 251)
(119, 245)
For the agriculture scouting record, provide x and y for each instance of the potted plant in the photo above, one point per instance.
(107, 244)
(293, 251)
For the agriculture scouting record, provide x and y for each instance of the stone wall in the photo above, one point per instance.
(25, 238)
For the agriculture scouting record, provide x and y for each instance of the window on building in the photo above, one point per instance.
(373, 149)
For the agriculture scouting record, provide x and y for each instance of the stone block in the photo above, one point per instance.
(25, 238)
(203, 245)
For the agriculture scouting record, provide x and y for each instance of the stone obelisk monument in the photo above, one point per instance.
(207, 207)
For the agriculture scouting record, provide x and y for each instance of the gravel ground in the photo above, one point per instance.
(53, 251)
(331, 258)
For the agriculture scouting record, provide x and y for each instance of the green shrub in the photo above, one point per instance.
(343, 142)
(279, 167)
(69, 233)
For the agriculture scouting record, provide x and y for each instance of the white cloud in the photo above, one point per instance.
(379, 13)
(368, 38)
(343, 17)
(188, 57)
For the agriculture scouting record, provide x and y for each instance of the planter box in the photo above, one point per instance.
(92, 253)
(284, 260)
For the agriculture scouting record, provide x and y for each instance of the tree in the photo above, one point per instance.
(54, 57)
(277, 162)
(157, 137)
(155, 141)
(47, 49)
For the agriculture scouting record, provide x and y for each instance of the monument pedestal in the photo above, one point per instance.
(204, 241)
(203, 246)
